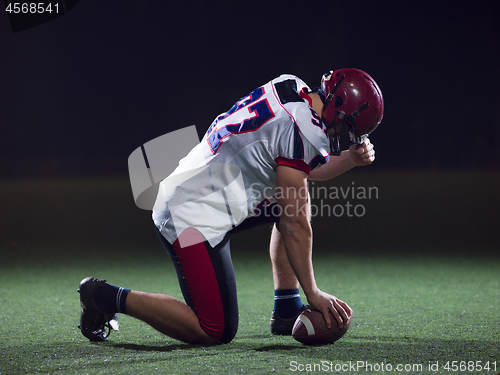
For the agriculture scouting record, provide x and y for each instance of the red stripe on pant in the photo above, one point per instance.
(201, 281)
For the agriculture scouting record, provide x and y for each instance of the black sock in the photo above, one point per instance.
(111, 299)
(287, 302)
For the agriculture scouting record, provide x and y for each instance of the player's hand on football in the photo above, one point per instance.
(325, 303)
(363, 154)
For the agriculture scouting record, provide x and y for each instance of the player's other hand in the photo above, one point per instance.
(363, 154)
(325, 303)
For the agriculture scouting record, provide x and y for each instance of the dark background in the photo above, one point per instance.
(80, 93)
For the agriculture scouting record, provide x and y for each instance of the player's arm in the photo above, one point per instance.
(296, 232)
(356, 156)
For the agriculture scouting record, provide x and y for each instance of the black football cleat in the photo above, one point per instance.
(92, 320)
(280, 326)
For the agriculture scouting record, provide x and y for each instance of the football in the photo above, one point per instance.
(310, 329)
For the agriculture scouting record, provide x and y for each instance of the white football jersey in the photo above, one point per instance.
(232, 171)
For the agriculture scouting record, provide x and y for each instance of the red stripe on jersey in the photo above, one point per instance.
(297, 164)
(304, 95)
(201, 280)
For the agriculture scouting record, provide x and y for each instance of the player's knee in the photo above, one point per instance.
(222, 330)
(229, 333)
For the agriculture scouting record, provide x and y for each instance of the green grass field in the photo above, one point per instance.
(420, 307)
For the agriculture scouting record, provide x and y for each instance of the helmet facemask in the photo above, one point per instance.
(342, 123)
(345, 125)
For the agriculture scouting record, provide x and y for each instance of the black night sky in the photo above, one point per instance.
(80, 93)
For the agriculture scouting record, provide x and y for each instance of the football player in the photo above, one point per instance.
(251, 168)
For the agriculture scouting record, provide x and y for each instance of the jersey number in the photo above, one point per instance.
(247, 115)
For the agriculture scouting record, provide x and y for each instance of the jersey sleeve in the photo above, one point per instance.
(297, 151)
(304, 142)
(297, 164)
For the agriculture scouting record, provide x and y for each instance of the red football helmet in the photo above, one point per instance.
(352, 100)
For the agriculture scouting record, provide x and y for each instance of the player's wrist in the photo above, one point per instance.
(312, 294)
(350, 159)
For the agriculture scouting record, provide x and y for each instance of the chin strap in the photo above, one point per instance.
(348, 120)
(348, 125)
(359, 110)
(334, 142)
